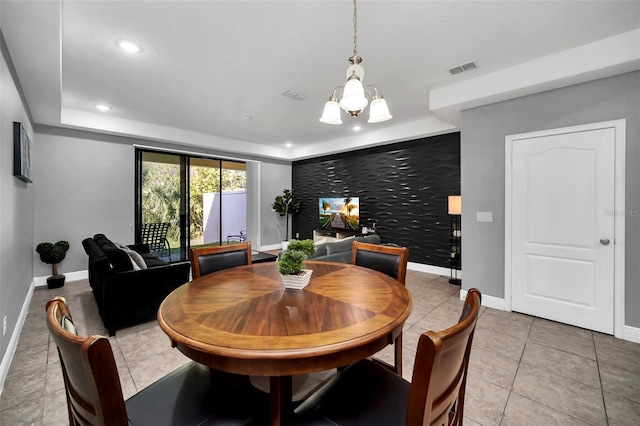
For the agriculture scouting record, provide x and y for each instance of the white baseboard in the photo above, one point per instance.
(71, 276)
(488, 301)
(271, 247)
(631, 334)
(15, 336)
(430, 269)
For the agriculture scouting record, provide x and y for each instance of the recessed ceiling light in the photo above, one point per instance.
(247, 117)
(288, 144)
(129, 46)
(103, 107)
(356, 128)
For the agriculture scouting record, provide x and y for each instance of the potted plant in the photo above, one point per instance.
(291, 262)
(53, 254)
(285, 205)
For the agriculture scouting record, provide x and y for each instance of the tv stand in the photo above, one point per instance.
(333, 234)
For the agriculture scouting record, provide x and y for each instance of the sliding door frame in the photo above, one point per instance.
(185, 202)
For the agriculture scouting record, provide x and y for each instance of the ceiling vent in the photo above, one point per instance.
(462, 68)
(290, 93)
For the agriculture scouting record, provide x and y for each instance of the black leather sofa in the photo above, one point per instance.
(128, 294)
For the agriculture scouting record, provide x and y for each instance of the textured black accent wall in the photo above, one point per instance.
(403, 187)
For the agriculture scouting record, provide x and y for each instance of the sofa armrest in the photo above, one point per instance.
(134, 296)
(141, 248)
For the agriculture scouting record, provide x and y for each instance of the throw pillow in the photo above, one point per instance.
(341, 246)
(137, 261)
(68, 325)
(321, 250)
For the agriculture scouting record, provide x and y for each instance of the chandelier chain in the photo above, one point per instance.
(355, 29)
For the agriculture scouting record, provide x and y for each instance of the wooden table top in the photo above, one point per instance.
(242, 320)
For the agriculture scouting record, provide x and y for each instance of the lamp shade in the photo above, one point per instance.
(331, 113)
(379, 111)
(353, 98)
(455, 204)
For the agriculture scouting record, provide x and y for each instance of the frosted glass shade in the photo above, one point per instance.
(379, 111)
(455, 204)
(331, 113)
(353, 98)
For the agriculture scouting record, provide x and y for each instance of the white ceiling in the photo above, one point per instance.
(208, 64)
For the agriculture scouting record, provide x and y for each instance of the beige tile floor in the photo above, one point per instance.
(523, 370)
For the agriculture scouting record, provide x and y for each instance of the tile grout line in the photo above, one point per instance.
(604, 402)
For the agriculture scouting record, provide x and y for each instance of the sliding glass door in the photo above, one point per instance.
(199, 201)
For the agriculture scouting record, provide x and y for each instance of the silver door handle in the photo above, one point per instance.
(604, 241)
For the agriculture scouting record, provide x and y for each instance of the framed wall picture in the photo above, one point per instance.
(22, 153)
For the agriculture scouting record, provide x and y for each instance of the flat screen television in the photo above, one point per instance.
(339, 213)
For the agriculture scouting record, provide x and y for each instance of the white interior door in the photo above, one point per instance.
(562, 212)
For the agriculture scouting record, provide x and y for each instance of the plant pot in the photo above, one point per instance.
(297, 282)
(55, 281)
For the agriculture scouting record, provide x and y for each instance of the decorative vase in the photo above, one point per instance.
(55, 281)
(297, 282)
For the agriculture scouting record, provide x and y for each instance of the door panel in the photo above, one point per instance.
(563, 185)
(162, 199)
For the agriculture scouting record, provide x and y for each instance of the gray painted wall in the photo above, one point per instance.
(86, 186)
(16, 210)
(483, 132)
(273, 180)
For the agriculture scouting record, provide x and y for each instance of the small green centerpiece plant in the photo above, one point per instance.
(292, 259)
(53, 254)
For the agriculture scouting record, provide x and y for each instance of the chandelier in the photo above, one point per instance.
(353, 98)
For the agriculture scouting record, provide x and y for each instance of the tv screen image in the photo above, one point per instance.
(339, 213)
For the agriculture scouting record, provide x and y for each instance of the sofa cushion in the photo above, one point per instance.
(120, 261)
(341, 257)
(340, 246)
(372, 239)
(321, 250)
(152, 261)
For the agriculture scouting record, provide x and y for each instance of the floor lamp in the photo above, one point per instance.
(455, 260)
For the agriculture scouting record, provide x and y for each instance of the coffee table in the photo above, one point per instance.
(261, 257)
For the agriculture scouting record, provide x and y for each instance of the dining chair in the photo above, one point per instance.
(205, 260)
(366, 393)
(392, 261)
(190, 395)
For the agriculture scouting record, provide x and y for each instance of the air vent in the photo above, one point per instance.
(290, 93)
(462, 68)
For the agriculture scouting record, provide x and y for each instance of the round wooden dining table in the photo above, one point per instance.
(242, 320)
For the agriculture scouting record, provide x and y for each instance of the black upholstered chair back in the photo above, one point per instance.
(389, 260)
(387, 264)
(206, 260)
